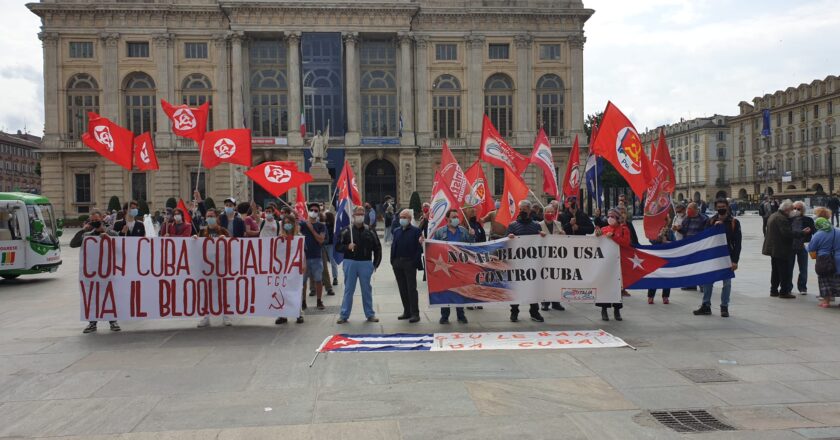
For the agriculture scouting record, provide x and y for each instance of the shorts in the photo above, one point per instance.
(314, 269)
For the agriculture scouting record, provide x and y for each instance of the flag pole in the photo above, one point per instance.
(537, 198)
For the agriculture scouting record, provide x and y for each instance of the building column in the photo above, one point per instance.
(354, 115)
(576, 109)
(110, 81)
(524, 125)
(406, 109)
(475, 87)
(49, 41)
(421, 85)
(239, 185)
(221, 100)
(407, 175)
(295, 139)
(163, 133)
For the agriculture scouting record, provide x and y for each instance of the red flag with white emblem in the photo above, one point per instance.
(145, 158)
(479, 195)
(515, 191)
(571, 180)
(113, 142)
(347, 187)
(542, 157)
(497, 152)
(300, 203)
(658, 197)
(636, 264)
(187, 122)
(453, 175)
(277, 177)
(619, 143)
(442, 201)
(231, 146)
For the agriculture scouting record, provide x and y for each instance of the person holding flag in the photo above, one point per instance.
(362, 255)
(523, 225)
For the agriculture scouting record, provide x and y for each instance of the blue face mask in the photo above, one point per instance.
(228, 210)
(403, 222)
(454, 222)
(134, 212)
(288, 227)
(211, 221)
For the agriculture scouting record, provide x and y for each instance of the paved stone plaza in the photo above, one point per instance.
(170, 380)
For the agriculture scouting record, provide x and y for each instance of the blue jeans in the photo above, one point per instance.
(331, 254)
(724, 293)
(361, 271)
(800, 257)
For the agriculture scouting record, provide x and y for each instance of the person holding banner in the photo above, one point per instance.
(269, 226)
(550, 226)
(523, 225)
(129, 226)
(575, 221)
(177, 227)
(733, 243)
(359, 244)
(314, 233)
(480, 237)
(456, 233)
(619, 233)
(212, 230)
(665, 236)
(95, 227)
(406, 250)
(291, 229)
(231, 219)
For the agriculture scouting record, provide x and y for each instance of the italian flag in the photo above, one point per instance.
(302, 123)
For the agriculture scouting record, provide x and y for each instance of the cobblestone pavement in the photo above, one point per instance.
(168, 379)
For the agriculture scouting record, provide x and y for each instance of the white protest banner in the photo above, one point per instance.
(133, 278)
(524, 270)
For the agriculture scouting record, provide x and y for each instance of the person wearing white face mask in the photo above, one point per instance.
(178, 228)
(269, 227)
(800, 223)
(359, 244)
(405, 260)
(315, 233)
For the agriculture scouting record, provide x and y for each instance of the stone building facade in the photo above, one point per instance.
(19, 156)
(702, 155)
(391, 78)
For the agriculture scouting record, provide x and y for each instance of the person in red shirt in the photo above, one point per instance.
(177, 227)
(620, 233)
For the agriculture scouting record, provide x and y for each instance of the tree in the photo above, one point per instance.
(415, 204)
(209, 203)
(143, 207)
(171, 203)
(609, 177)
(587, 124)
(114, 204)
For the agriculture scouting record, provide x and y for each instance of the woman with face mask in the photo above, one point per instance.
(550, 226)
(290, 228)
(178, 227)
(619, 233)
(213, 229)
(269, 226)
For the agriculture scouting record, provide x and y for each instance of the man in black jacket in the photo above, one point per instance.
(523, 225)
(131, 225)
(405, 260)
(834, 205)
(359, 244)
(575, 221)
(733, 242)
(798, 223)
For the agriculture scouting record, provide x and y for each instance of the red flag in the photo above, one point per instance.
(636, 264)
(183, 207)
(497, 152)
(277, 178)
(113, 142)
(571, 180)
(479, 195)
(187, 122)
(542, 157)
(347, 185)
(453, 175)
(619, 143)
(442, 201)
(515, 191)
(231, 146)
(658, 196)
(145, 158)
(300, 203)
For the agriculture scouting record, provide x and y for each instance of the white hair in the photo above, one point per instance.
(524, 202)
(786, 205)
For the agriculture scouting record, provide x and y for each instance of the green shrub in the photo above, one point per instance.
(171, 203)
(209, 203)
(114, 204)
(415, 204)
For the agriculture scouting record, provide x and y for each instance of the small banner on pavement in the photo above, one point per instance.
(470, 341)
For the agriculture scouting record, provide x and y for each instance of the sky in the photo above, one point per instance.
(657, 60)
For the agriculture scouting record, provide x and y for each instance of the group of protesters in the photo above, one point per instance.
(790, 237)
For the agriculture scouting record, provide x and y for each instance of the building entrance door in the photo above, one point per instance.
(380, 181)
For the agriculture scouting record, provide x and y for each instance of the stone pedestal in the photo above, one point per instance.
(320, 189)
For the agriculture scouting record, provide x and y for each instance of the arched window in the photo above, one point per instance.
(378, 88)
(195, 91)
(140, 103)
(550, 104)
(446, 107)
(82, 97)
(498, 102)
(269, 88)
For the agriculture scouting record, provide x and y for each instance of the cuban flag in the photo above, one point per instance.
(695, 261)
(594, 168)
(377, 342)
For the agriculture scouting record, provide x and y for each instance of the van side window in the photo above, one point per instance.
(9, 228)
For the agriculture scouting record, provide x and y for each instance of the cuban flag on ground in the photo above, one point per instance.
(695, 261)
(594, 169)
(378, 342)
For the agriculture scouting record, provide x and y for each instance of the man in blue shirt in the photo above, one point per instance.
(405, 260)
(454, 232)
(314, 233)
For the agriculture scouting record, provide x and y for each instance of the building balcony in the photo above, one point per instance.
(72, 144)
(453, 143)
(721, 182)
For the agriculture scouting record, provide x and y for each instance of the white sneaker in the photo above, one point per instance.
(205, 322)
(226, 321)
